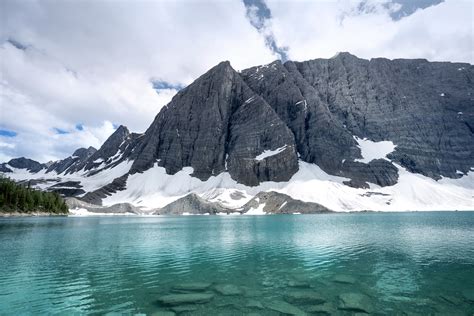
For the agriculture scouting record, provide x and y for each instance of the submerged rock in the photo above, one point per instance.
(184, 308)
(284, 308)
(254, 304)
(163, 313)
(180, 299)
(298, 284)
(451, 299)
(344, 279)
(304, 297)
(355, 302)
(468, 295)
(321, 309)
(228, 289)
(191, 287)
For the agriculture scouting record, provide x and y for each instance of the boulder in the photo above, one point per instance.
(182, 299)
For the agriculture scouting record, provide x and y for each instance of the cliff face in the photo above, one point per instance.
(219, 124)
(425, 108)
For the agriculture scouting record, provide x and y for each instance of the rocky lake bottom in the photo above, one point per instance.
(418, 263)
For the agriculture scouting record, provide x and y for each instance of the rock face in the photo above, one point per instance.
(425, 108)
(73, 203)
(72, 163)
(22, 163)
(216, 124)
(275, 203)
(191, 204)
(278, 203)
(116, 149)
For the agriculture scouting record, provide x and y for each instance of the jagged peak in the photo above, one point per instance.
(343, 55)
(121, 129)
(84, 152)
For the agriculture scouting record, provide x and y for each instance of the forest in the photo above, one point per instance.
(21, 198)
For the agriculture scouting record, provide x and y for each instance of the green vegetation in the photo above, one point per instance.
(15, 197)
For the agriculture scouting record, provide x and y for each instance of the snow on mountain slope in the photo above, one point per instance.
(43, 180)
(154, 188)
(371, 150)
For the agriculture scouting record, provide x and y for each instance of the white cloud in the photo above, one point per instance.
(319, 29)
(91, 61)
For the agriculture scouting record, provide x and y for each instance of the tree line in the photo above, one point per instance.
(20, 198)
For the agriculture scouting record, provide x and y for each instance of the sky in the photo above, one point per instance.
(72, 71)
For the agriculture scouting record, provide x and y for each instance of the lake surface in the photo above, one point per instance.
(391, 263)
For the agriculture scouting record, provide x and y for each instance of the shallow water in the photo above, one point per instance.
(396, 263)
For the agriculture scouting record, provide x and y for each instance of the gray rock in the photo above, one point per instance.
(468, 295)
(215, 124)
(195, 286)
(279, 203)
(123, 208)
(284, 308)
(298, 284)
(24, 163)
(183, 299)
(184, 308)
(345, 279)
(322, 309)
(228, 289)
(254, 304)
(425, 108)
(304, 297)
(355, 302)
(163, 313)
(192, 204)
(73, 163)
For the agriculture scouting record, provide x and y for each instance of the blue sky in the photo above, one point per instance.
(73, 71)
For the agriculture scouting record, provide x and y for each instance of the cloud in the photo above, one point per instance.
(84, 66)
(319, 29)
(69, 63)
(260, 17)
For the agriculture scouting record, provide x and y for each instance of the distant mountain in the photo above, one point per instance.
(344, 132)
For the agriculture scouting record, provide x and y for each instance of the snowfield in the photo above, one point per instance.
(155, 188)
(414, 192)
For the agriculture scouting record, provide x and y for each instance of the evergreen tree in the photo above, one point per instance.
(15, 197)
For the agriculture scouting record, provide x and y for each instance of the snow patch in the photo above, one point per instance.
(257, 211)
(83, 212)
(249, 100)
(371, 150)
(269, 153)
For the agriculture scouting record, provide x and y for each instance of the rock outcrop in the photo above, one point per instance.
(22, 163)
(191, 204)
(279, 203)
(72, 163)
(120, 208)
(219, 124)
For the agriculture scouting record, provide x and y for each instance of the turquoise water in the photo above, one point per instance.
(387, 264)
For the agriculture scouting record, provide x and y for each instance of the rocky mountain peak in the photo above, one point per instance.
(26, 163)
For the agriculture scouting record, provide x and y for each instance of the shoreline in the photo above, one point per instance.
(33, 214)
(43, 214)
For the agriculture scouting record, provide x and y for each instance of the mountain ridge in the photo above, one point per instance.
(315, 111)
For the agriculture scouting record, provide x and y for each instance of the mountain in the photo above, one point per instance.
(346, 133)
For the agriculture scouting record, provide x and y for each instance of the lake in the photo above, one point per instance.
(339, 264)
